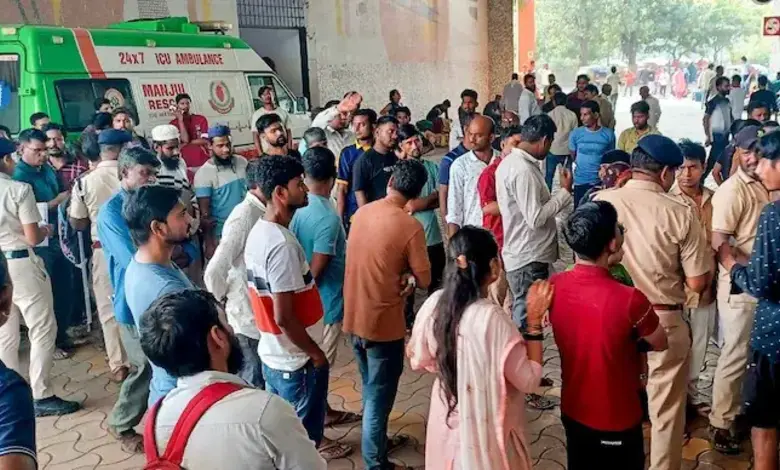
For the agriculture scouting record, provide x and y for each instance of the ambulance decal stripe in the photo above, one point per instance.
(88, 53)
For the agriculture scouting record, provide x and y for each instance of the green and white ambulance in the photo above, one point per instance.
(141, 65)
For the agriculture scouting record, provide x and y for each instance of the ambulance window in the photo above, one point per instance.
(9, 92)
(283, 99)
(77, 99)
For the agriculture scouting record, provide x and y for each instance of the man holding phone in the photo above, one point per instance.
(528, 214)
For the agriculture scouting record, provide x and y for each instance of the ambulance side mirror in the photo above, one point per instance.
(301, 105)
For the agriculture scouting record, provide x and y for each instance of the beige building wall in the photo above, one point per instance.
(99, 13)
(428, 49)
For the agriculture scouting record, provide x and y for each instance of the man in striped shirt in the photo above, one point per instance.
(173, 174)
(286, 303)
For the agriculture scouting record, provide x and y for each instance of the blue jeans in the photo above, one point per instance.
(306, 389)
(579, 191)
(252, 371)
(380, 364)
(719, 143)
(551, 163)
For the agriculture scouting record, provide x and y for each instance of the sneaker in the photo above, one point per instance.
(723, 441)
(55, 406)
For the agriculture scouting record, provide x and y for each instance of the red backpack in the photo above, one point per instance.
(174, 451)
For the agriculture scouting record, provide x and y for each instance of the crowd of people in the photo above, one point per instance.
(225, 286)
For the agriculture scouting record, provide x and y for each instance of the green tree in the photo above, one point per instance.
(571, 30)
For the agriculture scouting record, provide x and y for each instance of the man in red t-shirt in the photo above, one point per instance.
(192, 127)
(491, 217)
(601, 326)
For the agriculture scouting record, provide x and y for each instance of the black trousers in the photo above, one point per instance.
(438, 259)
(589, 448)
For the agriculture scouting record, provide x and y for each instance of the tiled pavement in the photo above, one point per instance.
(80, 441)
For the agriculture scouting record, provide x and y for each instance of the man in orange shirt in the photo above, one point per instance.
(386, 259)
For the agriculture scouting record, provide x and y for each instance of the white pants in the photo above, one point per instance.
(702, 321)
(32, 298)
(331, 335)
(736, 315)
(101, 285)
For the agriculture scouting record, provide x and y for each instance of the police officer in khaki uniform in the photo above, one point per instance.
(736, 208)
(664, 253)
(32, 297)
(89, 194)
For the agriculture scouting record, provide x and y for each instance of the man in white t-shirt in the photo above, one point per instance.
(268, 105)
(286, 303)
(737, 96)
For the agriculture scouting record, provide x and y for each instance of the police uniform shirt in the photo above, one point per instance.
(664, 241)
(17, 208)
(92, 190)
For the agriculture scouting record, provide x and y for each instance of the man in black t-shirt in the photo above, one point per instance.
(373, 169)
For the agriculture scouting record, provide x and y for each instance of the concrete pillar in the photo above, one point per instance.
(501, 46)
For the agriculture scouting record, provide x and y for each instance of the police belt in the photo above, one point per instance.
(667, 308)
(17, 254)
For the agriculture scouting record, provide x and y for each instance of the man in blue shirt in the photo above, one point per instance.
(587, 144)
(136, 168)
(158, 222)
(760, 277)
(220, 185)
(17, 419)
(319, 231)
(363, 125)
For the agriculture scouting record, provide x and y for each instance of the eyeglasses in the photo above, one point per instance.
(621, 229)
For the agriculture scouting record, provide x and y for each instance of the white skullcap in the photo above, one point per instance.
(164, 133)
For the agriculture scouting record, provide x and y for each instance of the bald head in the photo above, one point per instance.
(509, 119)
(480, 133)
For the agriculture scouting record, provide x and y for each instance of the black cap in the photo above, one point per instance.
(747, 137)
(662, 149)
(114, 137)
(615, 156)
(7, 147)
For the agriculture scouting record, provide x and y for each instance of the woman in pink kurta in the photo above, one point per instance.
(483, 365)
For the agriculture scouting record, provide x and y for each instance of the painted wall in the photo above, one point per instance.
(428, 49)
(99, 13)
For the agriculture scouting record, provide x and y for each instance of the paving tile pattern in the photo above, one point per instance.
(80, 441)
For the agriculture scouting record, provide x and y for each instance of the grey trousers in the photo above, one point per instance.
(130, 405)
(520, 281)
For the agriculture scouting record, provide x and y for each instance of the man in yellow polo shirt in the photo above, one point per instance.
(640, 112)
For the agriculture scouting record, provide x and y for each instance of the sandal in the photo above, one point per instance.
(396, 442)
(539, 402)
(332, 450)
(60, 354)
(131, 441)
(344, 417)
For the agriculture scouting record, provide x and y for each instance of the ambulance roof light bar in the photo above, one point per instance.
(219, 27)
